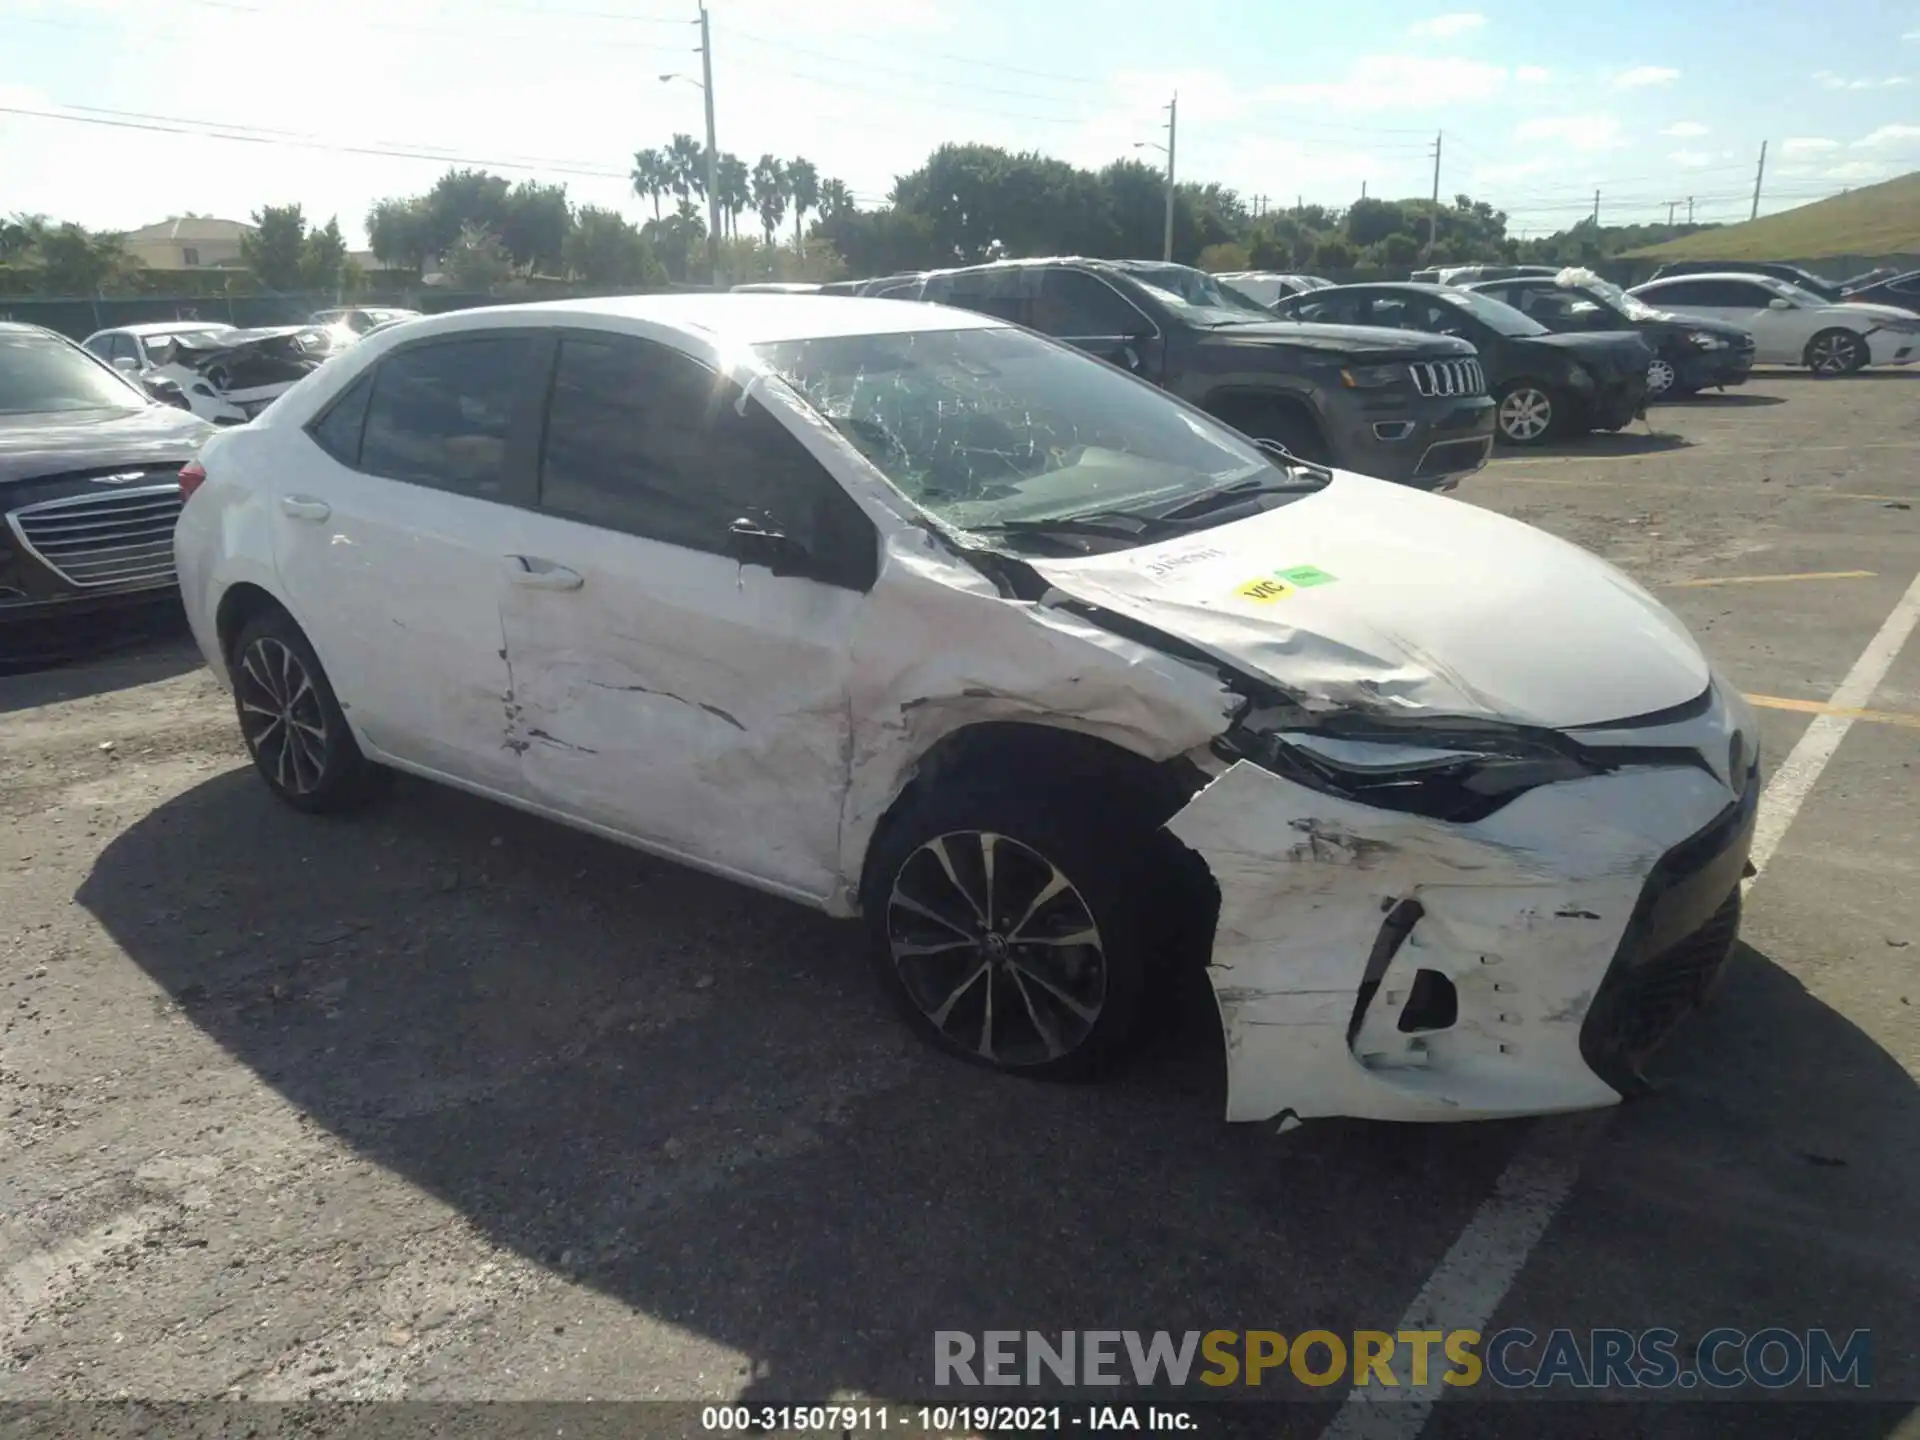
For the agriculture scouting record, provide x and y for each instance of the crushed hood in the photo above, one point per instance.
(1607, 352)
(1376, 595)
(252, 359)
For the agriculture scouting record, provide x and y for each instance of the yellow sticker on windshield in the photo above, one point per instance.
(1265, 590)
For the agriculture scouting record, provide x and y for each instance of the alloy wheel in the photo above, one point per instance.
(1525, 414)
(1659, 378)
(997, 948)
(281, 717)
(1832, 354)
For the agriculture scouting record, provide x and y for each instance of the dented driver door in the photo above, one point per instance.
(679, 615)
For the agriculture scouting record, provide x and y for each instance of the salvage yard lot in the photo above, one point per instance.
(448, 1102)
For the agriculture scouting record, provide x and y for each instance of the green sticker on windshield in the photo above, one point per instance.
(1305, 576)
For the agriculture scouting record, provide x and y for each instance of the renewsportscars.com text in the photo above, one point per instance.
(1513, 1359)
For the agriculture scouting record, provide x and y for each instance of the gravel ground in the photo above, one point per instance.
(445, 1103)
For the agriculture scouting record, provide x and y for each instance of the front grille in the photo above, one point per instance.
(1448, 377)
(115, 538)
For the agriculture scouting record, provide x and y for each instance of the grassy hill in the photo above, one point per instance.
(1881, 219)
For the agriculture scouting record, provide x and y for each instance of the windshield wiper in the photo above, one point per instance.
(1114, 524)
(1297, 480)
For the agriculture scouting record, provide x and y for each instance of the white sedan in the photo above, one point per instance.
(222, 373)
(907, 614)
(1792, 326)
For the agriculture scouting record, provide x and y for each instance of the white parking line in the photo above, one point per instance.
(1472, 1278)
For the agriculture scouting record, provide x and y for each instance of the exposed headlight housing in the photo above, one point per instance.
(1700, 340)
(1371, 377)
(1461, 773)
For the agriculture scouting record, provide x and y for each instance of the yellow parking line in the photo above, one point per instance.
(1816, 707)
(1771, 579)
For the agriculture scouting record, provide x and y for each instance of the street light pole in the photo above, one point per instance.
(1173, 117)
(713, 151)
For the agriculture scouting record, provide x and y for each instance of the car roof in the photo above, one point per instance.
(1718, 275)
(1421, 286)
(22, 327)
(740, 319)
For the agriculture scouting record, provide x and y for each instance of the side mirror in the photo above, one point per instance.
(751, 544)
(1780, 302)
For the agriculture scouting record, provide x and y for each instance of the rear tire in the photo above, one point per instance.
(1662, 379)
(1042, 973)
(291, 721)
(1836, 352)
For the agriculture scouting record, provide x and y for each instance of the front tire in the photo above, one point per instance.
(1661, 379)
(291, 722)
(1016, 928)
(1529, 414)
(1836, 352)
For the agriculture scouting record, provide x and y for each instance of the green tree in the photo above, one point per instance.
(1333, 253)
(736, 190)
(1399, 250)
(651, 177)
(20, 236)
(1228, 256)
(803, 185)
(274, 247)
(464, 200)
(397, 232)
(476, 260)
(835, 198)
(535, 225)
(604, 248)
(687, 167)
(323, 258)
(770, 195)
(74, 262)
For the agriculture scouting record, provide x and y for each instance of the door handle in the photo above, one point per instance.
(302, 508)
(534, 573)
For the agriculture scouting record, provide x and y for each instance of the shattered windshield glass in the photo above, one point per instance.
(993, 427)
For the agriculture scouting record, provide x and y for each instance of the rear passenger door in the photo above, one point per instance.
(395, 535)
(681, 644)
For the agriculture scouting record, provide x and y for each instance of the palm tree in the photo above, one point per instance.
(687, 167)
(770, 197)
(736, 193)
(650, 176)
(835, 198)
(803, 184)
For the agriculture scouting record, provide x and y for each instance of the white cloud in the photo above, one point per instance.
(1685, 130)
(1691, 159)
(1584, 133)
(1807, 145)
(1388, 82)
(1840, 82)
(1642, 76)
(1890, 136)
(1533, 74)
(1442, 27)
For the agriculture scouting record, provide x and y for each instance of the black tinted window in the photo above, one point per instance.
(1333, 310)
(1003, 294)
(1072, 302)
(644, 439)
(442, 414)
(338, 430)
(1730, 293)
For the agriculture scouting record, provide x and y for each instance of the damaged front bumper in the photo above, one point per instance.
(1383, 965)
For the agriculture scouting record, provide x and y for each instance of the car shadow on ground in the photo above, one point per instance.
(688, 1096)
(112, 656)
(1723, 400)
(1600, 443)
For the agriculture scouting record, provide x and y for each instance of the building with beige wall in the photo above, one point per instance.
(187, 243)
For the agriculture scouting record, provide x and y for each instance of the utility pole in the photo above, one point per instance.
(1433, 219)
(1363, 189)
(1596, 209)
(1173, 118)
(1689, 209)
(713, 150)
(1754, 214)
(1672, 205)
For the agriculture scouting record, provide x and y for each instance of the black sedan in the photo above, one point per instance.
(1690, 353)
(1546, 385)
(1901, 290)
(89, 492)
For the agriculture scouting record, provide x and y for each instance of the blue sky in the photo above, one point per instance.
(1539, 104)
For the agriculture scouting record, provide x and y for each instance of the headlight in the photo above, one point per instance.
(1371, 377)
(1700, 340)
(1461, 774)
